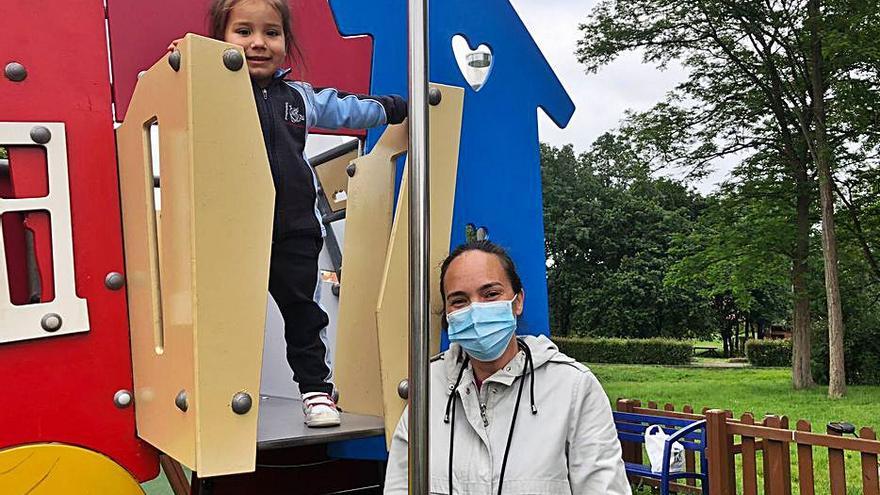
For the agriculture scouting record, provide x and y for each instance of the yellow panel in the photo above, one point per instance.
(393, 312)
(197, 277)
(52, 469)
(367, 229)
(334, 179)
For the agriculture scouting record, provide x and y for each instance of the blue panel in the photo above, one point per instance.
(368, 449)
(499, 178)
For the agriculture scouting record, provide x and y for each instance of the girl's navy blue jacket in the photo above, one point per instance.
(288, 110)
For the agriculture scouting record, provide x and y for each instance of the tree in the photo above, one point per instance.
(751, 87)
(736, 254)
(822, 156)
(608, 227)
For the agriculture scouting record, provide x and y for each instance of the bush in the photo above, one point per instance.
(861, 349)
(769, 352)
(627, 351)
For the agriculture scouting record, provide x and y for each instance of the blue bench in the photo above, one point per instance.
(690, 434)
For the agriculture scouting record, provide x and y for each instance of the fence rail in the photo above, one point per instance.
(775, 439)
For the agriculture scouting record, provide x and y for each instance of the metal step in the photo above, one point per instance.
(281, 425)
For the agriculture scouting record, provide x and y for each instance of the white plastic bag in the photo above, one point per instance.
(655, 440)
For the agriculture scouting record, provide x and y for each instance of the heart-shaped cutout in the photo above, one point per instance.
(475, 63)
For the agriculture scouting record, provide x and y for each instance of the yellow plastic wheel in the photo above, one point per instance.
(58, 469)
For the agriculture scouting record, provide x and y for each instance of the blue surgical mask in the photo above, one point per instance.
(483, 329)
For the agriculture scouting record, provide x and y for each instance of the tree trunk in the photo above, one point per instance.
(725, 338)
(735, 337)
(748, 329)
(801, 376)
(822, 155)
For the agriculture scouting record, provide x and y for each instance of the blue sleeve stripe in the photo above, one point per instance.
(334, 110)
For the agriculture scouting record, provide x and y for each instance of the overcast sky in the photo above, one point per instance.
(601, 99)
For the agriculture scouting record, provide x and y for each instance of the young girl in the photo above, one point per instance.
(287, 111)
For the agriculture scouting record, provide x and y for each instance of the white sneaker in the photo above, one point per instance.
(319, 410)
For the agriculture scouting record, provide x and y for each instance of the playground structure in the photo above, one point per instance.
(132, 321)
(133, 309)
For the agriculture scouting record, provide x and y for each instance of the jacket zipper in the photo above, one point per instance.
(270, 146)
(483, 414)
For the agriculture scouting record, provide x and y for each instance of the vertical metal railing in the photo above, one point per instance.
(419, 264)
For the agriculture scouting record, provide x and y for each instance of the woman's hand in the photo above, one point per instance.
(173, 45)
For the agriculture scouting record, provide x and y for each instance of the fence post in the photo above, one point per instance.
(626, 448)
(632, 452)
(722, 477)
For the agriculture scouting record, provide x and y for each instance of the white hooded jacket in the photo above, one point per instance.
(569, 446)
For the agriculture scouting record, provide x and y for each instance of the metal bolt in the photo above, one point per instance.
(114, 281)
(40, 134)
(403, 389)
(241, 403)
(180, 401)
(232, 59)
(335, 289)
(15, 72)
(351, 169)
(434, 96)
(51, 322)
(122, 399)
(174, 60)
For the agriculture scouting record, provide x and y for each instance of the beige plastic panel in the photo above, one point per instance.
(372, 344)
(334, 180)
(367, 230)
(197, 274)
(393, 311)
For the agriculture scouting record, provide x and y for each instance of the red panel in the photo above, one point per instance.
(28, 171)
(141, 30)
(14, 243)
(66, 384)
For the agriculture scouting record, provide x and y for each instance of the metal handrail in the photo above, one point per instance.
(419, 264)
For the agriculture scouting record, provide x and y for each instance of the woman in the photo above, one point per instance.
(482, 438)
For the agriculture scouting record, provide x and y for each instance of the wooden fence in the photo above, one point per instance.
(773, 437)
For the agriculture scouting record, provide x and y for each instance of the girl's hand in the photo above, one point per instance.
(173, 45)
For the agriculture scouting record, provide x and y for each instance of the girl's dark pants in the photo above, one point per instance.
(293, 277)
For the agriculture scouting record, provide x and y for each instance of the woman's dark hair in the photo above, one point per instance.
(486, 247)
(218, 17)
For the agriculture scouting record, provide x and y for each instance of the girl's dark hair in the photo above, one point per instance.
(218, 17)
(486, 247)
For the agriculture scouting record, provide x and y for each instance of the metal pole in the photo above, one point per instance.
(418, 247)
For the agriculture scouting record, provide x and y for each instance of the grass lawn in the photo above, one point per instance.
(158, 486)
(757, 390)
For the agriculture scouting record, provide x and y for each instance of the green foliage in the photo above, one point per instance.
(3, 154)
(861, 348)
(608, 228)
(627, 351)
(769, 352)
(749, 95)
